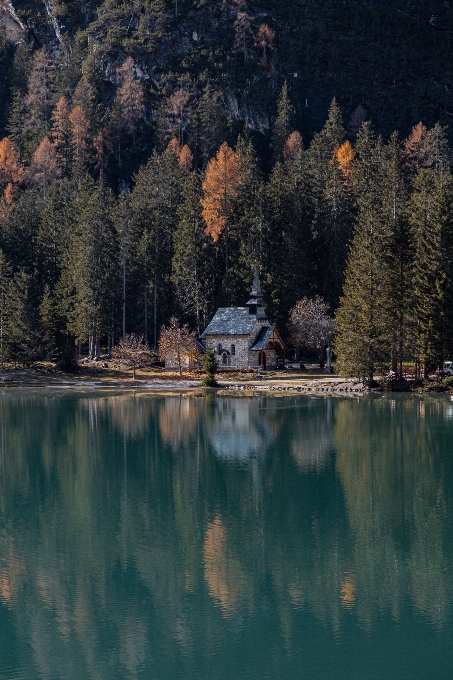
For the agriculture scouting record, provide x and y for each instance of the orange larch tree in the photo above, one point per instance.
(186, 159)
(130, 96)
(265, 39)
(11, 170)
(182, 153)
(45, 167)
(345, 154)
(220, 188)
(178, 111)
(80, 127)
(293, 146)
(416, 149)
(60, 133)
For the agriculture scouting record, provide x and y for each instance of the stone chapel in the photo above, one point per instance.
(243, 337)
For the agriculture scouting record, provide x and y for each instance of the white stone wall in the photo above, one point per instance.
(242, 358)
(241, 343)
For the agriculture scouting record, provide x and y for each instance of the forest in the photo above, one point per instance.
(143, 177)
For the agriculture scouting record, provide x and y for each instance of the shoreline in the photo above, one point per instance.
(160, 383)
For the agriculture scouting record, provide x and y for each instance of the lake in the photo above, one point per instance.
(179, 537)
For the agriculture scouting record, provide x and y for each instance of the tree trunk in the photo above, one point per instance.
(124, 295)
(146, 314)
(394, 363)
(155, 310)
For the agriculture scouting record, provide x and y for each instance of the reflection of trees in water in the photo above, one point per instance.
(312, 439)
(178, 417)
(390, 463)
(223, 572)
(186, 551)
(129, 414)
(12, 570)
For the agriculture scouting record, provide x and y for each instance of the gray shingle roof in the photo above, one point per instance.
(263, 336)
(201, 348)
(231, 321)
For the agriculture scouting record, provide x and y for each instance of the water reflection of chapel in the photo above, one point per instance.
(243, 337)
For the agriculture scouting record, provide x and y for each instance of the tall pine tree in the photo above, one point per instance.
(362, 343)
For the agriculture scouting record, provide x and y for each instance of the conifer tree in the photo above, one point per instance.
(194, 257)
(208, 125)
(210, 366)
(130, 97)
(40, 97)
(6, 297)
(79, 129)
(398, 261)
(246, 230)
(282, 125)
(44, 167)
(280, 231)
(362, 343)
(127, 235)
(287, 270)
(26, 341)
(103, 149)
(60, 133)
(15, 126)
(154, 203)
(19, 231)
(332, 204)
(301, 248)
(56, 224)
(21, 67)
(431, 220)
(89, 288)
(85, 97)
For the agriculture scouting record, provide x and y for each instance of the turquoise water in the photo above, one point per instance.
(205, 538)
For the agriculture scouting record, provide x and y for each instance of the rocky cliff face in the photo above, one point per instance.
(394, 59)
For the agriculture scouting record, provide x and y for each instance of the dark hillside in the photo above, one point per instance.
(394, 59)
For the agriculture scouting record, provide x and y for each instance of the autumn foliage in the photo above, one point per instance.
(219, 190)
(80, 127)
(44, 166)
(293, 146)
(11, 171)
(416, 149)
(177, 344)
(345, 154)
(131, 351)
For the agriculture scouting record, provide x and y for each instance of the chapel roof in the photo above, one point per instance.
(262, 339)
(231, 321)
